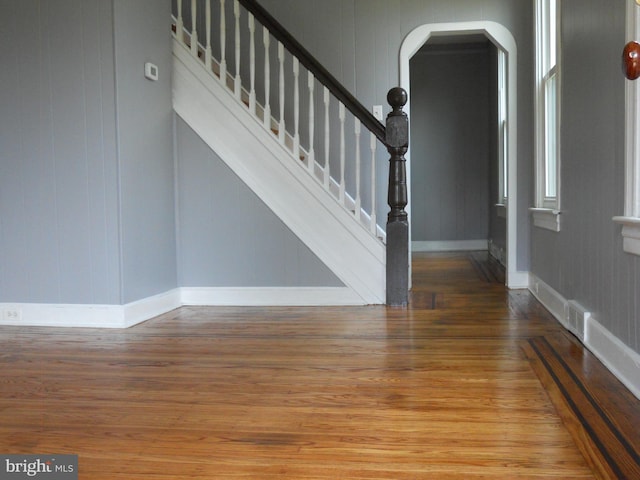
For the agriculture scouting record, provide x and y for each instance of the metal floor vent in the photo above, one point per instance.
(576, 318)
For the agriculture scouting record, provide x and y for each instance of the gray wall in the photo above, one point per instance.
(450, 145)
(58, 172)
(145, 139)
(585, 261)
(86, 169)
(359, 43)
(227, 236)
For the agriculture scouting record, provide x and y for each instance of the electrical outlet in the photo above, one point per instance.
(11, 314)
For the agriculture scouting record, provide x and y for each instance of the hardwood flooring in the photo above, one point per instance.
(472, 381)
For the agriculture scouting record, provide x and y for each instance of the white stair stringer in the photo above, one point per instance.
(345, 246)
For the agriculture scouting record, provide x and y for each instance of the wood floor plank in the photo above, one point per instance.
(598, 435)
(453, 387)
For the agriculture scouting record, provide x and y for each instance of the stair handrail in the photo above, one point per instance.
(395, 139)
(322, 74)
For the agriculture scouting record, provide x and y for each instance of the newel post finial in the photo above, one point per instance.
(397, 98)
(397, 140)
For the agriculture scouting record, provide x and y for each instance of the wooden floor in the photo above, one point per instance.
(471, 382)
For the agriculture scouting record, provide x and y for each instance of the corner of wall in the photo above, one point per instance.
(88, 316)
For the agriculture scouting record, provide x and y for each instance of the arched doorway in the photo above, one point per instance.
(504, 42)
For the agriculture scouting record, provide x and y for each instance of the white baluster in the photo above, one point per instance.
(296, 107)
(223, 44)
(312, 156)
(358, 206)
(341, 114)
(327, 143)
(374, 223)
(194, 30)
(266, 39)
(207, 52)
(252, 64)
(180, 23)
(281, 126)
(237, 83)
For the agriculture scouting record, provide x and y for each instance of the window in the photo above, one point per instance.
(503, 159)
(631, 219)
(546, 213)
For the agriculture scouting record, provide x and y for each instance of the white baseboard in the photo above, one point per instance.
(90, 316)
(270, 296)
(449, 245)
(62, 315)
(552, 300)
(498, 252)
(142, 310)
(124, 316)
(517, 280)
(620, 359)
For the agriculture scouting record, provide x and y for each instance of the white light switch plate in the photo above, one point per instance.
(377, 111)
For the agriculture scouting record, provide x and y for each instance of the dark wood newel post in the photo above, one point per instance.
(397, 141)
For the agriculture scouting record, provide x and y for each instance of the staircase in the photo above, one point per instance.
(310, 153)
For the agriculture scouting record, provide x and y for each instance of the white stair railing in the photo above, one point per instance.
(333, 114)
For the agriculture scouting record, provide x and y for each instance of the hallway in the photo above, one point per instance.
(471, 381)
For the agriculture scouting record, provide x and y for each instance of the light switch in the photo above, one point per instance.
(151, 71)
(377, 111)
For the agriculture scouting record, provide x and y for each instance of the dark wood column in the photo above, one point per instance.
(397, 140)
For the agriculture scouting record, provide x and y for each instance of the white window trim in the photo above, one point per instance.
(546, 218)
(546, 213)
(630, 221)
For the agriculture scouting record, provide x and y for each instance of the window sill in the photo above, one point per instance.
(630, 233)
(546, 218)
